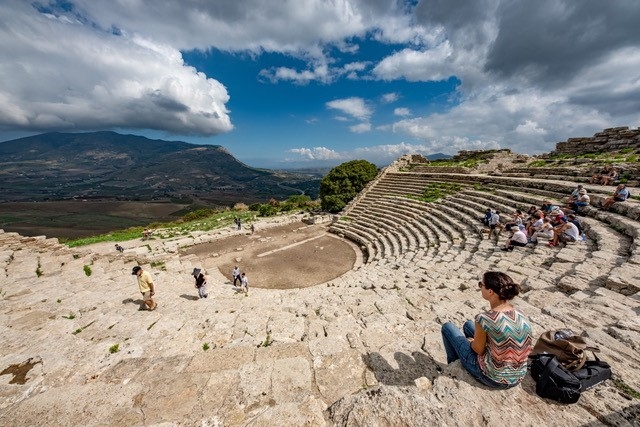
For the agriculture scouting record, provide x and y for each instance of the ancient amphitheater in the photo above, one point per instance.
(362, 349)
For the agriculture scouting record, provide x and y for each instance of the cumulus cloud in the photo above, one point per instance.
(317, 153)
(355, 107)
(402, 112)
(360, 128)
(388, 98)
(67, 74)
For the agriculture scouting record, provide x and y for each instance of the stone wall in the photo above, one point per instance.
(611, 139)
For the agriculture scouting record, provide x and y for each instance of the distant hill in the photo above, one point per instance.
(58, 166)
(438, 156)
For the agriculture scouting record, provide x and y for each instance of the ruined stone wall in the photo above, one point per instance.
(611, 139)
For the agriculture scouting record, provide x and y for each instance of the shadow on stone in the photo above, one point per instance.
(630, 414)
(132, 301)
(189, 297)
(410, 368)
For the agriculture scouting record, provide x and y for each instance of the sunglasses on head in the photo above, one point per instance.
(481, 285)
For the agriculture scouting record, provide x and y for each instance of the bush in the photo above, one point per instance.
(267, 210)
(344, 182)
(87, 270)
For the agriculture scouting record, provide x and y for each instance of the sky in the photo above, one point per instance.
(315, 83)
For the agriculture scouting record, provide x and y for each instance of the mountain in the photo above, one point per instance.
(58, 166)
(438, 156)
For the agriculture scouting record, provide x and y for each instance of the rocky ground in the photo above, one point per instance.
(360, 349)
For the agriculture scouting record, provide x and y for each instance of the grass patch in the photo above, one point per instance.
(71, 316)
(537, 163)
(622, 386)
(159, 265)
(59, 301)
(39, 271)
(205, 346)
(87, 270)
(439, 190)
(114, 348)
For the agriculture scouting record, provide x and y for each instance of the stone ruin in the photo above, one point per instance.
(363, 349)
(609, 140)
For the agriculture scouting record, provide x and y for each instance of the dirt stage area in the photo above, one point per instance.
(295, 255)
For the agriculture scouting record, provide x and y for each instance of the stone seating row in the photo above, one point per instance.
(422, 228)
(557, 189)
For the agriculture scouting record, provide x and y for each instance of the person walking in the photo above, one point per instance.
(201, 282)
(235, 274)
(493, 349)
(146, 287)
(245, 284)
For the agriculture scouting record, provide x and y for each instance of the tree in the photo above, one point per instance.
(344, 182)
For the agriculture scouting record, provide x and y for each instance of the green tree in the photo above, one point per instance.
(344, 182)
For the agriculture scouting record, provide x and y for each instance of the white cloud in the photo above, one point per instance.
(413, 65)
(355, 107)
(316, 153)
(389, 98)
(65, 74)
(402, 112)
(530, 128)
(360, 128)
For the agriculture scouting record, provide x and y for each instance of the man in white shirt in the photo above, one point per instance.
(565, 233)
(519, 238)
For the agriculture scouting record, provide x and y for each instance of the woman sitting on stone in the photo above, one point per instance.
(494, 348)
(518, 218)
(620, 195)
(544, 232)
(609, 178)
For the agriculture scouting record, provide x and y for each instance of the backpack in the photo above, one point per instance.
(554, 382)
(570, 349)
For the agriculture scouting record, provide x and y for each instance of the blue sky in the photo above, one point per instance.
(305, 83)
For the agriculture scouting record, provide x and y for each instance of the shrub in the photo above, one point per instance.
(87, 270)
(205, 346)
(267, 210)
(114, 348)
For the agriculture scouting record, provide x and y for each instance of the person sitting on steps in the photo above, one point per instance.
(620, 195)
(494, 349)
(519, 238)
(544, 232)
(582, 201)
(566, 233)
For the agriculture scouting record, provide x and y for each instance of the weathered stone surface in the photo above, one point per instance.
(362, 349)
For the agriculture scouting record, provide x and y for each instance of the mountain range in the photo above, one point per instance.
(99, 165)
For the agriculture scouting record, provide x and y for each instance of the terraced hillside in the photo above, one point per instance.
(361, 349)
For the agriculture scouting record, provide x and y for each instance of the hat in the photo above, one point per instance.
(521, 226)
(136, 269)
(196, 272)
(582, 192)
(555, 212)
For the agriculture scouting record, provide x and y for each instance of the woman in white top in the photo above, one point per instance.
(544, 232)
